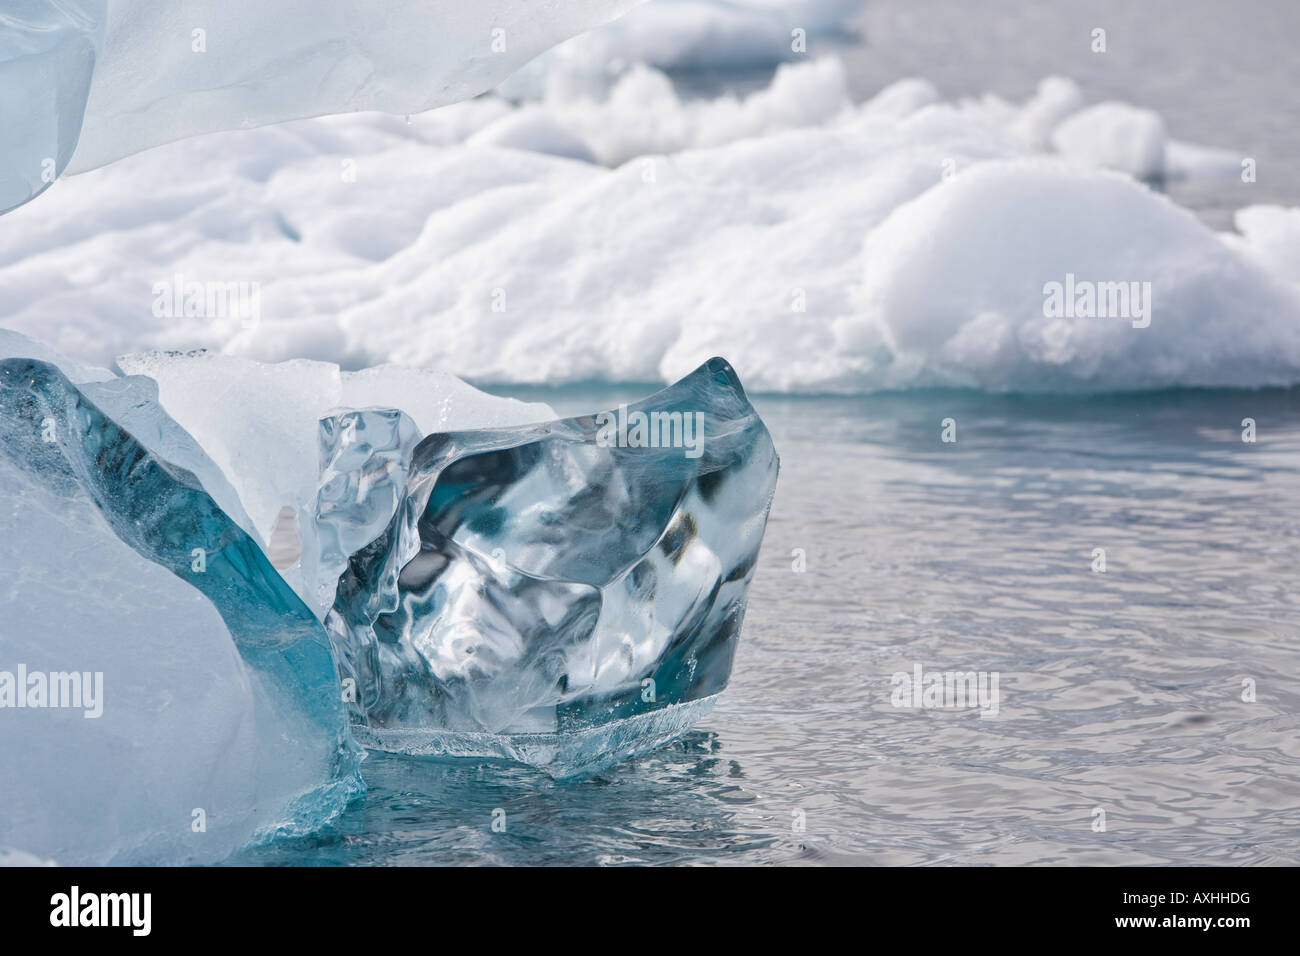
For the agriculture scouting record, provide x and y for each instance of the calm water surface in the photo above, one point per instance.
(1120, 691)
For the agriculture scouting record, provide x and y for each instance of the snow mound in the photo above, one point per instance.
(957, 289)
(536, 130)
(1272, 236)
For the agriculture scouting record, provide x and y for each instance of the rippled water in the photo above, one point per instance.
(1119, 690)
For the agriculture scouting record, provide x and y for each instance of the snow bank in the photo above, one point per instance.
(643, 114)
(534, 129)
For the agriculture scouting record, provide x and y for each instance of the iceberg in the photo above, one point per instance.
(565, 594)
(86, 82)
(205, 712)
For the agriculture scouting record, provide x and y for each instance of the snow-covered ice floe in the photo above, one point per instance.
(820, 245)
(467, 577)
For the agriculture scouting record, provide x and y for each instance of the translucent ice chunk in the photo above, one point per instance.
(85, 82)
(217, 718)
(365, 458)
(47, 57)
(564, 593)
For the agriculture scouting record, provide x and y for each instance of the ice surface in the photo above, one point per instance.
(85, 82)
(219, 690)
(47, 56)
(12, 857)
(132, 403)
(557, 593)
(16, 345)
(259, 423)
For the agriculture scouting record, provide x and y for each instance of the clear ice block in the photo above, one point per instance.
(566, 593)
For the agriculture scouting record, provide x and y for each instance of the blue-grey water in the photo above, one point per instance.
(1125, 691)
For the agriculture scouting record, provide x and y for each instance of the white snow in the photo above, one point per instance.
(643, 113)
(535, 129)
(1270, 235)
(955, 289)
(1056, 98)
